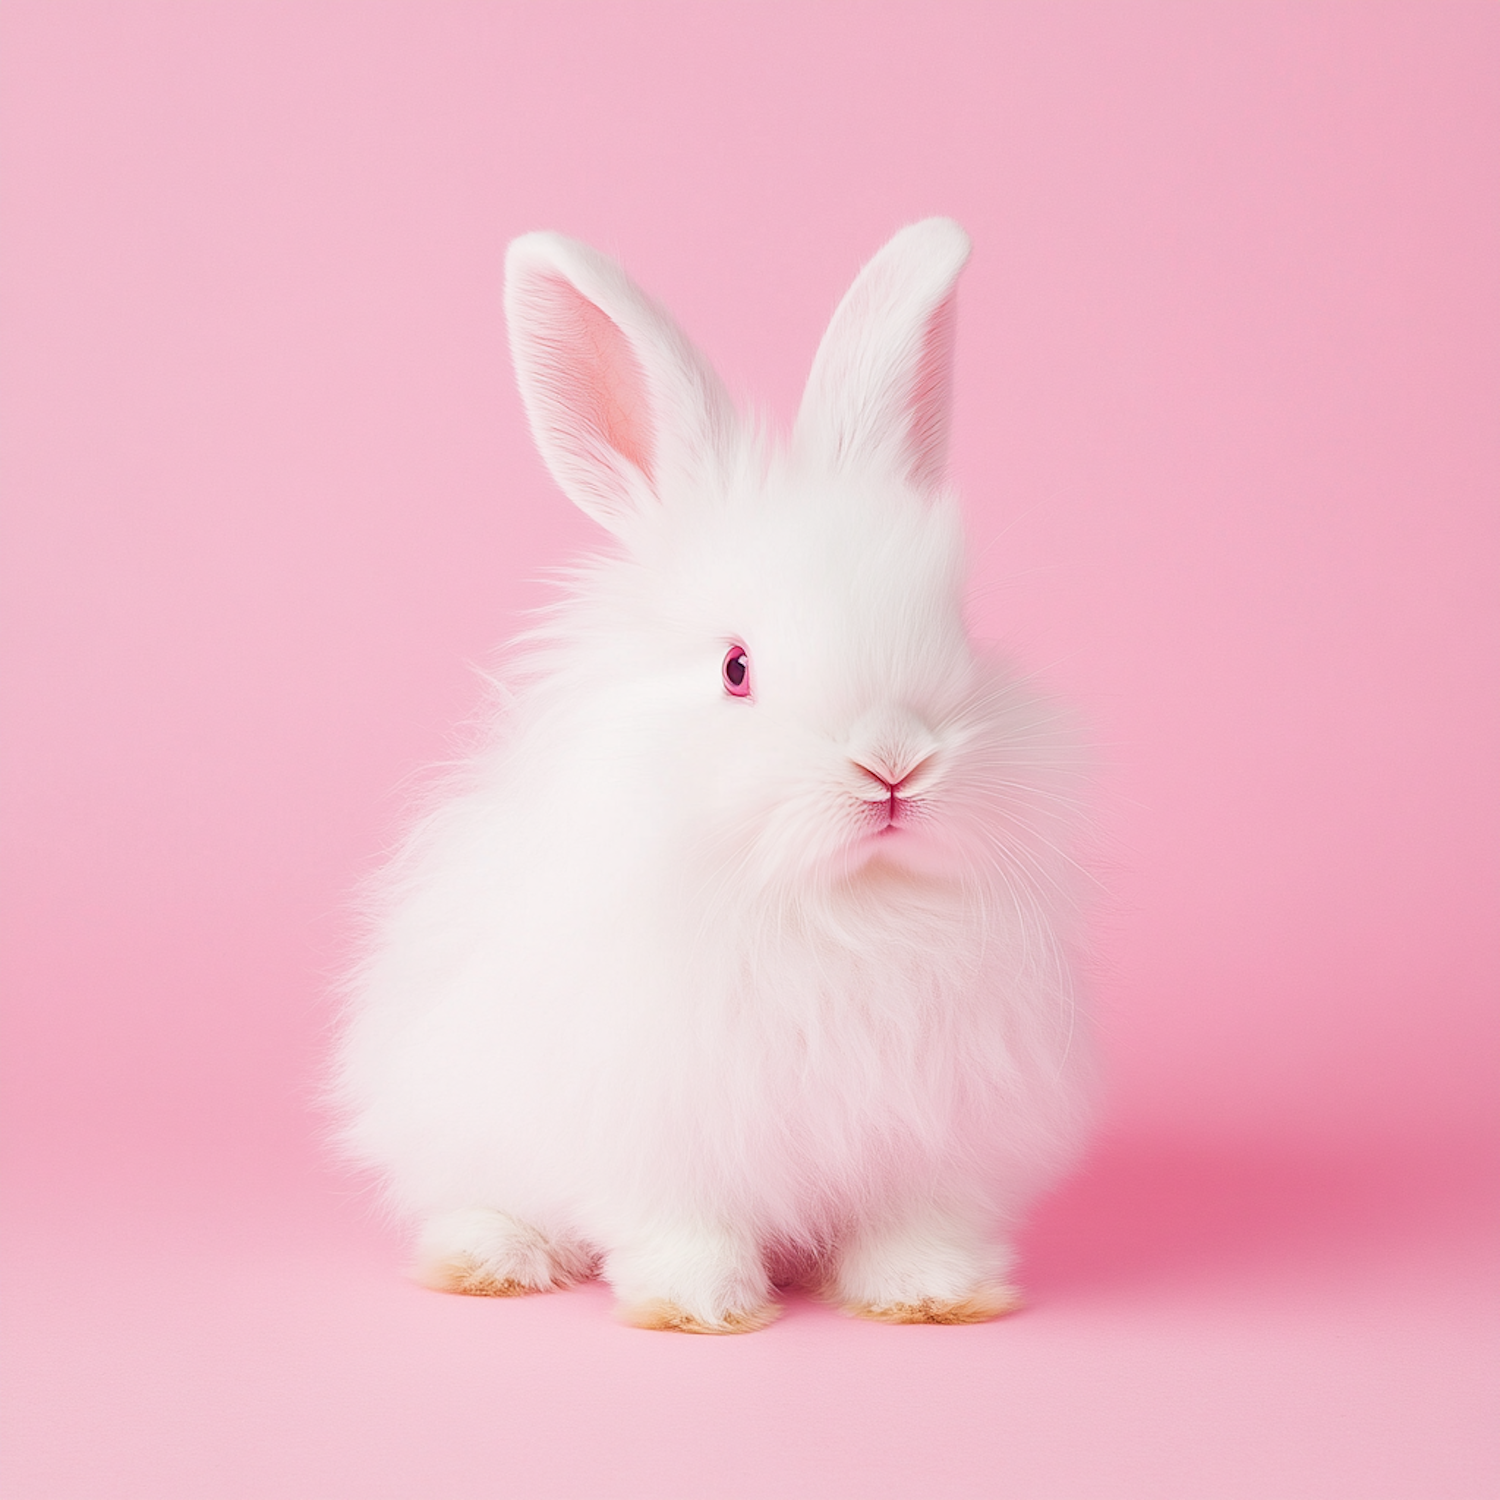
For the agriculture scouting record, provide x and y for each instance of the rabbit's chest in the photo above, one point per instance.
(842, 1047)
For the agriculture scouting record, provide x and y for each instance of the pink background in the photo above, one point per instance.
(1229, 428)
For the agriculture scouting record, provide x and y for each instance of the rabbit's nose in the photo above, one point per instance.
(874, 778)
(894, 748)
(893, 775)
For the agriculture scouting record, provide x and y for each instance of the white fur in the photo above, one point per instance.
(644, 986)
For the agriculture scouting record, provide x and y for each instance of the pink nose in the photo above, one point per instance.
(891, 786)
(892, 778)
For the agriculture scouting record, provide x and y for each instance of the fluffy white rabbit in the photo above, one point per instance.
(742, 951)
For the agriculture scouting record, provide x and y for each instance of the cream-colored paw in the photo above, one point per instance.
(469, 1277)
(929, 1264)
(979, 1306)
(668, 1317)
(482, 1253)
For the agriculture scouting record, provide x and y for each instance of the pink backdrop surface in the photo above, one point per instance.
(1228, 427)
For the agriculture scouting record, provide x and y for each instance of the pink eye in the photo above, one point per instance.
(737, 672)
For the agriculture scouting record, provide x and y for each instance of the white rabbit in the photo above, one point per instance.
(742, 951)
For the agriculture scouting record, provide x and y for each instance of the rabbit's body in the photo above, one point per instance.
(693, 977)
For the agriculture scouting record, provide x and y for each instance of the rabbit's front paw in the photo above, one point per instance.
(691, 1279)
(484, 1253)
(669, 1317)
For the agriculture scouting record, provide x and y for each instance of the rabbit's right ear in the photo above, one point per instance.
(881, 385)
(622, 407)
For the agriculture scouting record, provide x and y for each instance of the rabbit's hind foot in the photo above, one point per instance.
(980, 1306)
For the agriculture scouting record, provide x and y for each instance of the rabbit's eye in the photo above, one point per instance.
(737, 672)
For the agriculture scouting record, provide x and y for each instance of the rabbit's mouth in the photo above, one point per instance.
(883, 816)
(895, 807)
(898, 836)
(892, 816)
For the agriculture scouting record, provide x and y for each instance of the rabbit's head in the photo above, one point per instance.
(774, 663)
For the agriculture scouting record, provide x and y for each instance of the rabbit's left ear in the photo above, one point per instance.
(880, 390)
(622, 407)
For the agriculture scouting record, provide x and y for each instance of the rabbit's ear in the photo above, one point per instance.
(621, 405)
(881, 385)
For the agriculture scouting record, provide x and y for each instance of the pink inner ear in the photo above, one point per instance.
(928, 442)
(598, 379)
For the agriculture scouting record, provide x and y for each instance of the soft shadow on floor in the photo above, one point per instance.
(1143, 1213)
